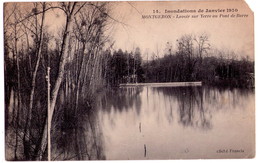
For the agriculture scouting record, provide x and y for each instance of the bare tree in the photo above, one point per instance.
(70, 9)
(203, 44)
(34, 75)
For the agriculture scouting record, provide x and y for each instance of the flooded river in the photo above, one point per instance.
(177, 122)
(162, 123)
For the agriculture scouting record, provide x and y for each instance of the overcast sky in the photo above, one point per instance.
(224, 33)
(151, 34)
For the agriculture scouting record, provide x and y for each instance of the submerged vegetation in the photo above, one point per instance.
(52, 79)
(49, 79)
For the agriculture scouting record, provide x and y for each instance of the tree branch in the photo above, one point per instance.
(80, 8)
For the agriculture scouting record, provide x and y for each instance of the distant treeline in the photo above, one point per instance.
(190, 62)
(210, 70)
(124, 67)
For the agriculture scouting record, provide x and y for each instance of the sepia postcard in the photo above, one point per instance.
(129, 80)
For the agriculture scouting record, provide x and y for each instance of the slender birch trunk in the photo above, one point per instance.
(18, 97)
(54, 93)
(48, 105)
(79, 77)
(29, 114)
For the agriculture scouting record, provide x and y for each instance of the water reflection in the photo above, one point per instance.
(157, 123)
(122, 99)
(77, 135)
(168, 123)
(190, 106)
(191, 111)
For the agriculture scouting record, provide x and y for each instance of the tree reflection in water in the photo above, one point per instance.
(77, 136)
(134, 114)
(191, 109)
(195, 105)
(121, 99)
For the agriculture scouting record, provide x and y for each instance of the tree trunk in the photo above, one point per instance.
(29, 114)
(54, 93)
(79, 77)
(16, 124)
(48, 105)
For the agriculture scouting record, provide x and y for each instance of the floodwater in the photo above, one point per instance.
(177, 123)
(159, 123)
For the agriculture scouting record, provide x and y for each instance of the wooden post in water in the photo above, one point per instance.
(144, 150)
(49, 117)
